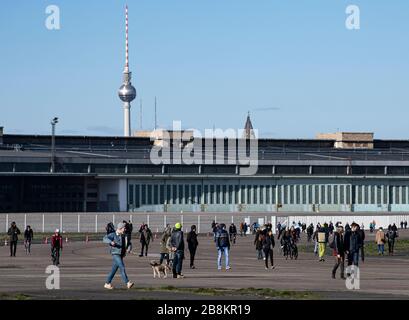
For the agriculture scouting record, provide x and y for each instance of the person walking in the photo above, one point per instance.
(322, 242)
(164, 245)
(233, 233)
(355, 244)
(28, 238)
(245, 228)
(223, 247)
(405, 224)
(178, 248)
(117, 243)
(338, 251)
(268, 246)
(145, 239)
(110, 228)
(128, 234)
(56, 247)
(258, 243)
(192, 244)
(362, 237)
(380, 241)
(391, 235)
(315, 238)
(13, 233)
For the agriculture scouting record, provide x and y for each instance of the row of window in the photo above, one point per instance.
(205, 169)
(150, 194)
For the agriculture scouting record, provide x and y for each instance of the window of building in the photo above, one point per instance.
(137, 196)
(329, 194)
(155, 194)
(161, 194)
(131, 195)
(143, 196)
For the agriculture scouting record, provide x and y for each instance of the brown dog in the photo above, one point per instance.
(159, 268)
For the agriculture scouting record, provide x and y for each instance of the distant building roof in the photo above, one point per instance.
(248, 129)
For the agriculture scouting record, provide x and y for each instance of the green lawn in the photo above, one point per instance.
(371, 249)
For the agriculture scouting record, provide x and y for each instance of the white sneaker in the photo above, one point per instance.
(228, 268)
(108, 286)
(129, 285)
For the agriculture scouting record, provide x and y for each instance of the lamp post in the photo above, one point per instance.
(53, 123)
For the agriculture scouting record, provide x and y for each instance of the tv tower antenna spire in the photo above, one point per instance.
(127, 92)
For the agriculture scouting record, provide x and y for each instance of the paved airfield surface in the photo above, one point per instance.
(84, 267)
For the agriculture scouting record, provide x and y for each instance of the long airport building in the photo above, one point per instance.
(343, 172)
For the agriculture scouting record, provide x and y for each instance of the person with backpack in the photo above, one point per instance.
(337, 246)
(13, 233)
(258, 244)
(380, 240)
(56, 247)
(223, 247)
(268, 244)
(192, 244)
(178, 248)
(145, 239)
(391, 235)
(165, 246)
(28, 238)
(117, 243)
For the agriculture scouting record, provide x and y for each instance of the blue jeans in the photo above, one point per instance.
(117, 262)
(177, 262)
(381, 248)
(221, 251)
(353, 258)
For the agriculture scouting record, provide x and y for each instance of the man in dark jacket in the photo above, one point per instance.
(28, 238)
(362, 235)
(339, 251)
(192, 244)
(355, 244)
(146, 237)
(233, 233)
(223, 246)
(391, 236)
(13, 233)
(178, 247)
(56, 247)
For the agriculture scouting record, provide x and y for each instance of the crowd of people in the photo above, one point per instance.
(346, 243)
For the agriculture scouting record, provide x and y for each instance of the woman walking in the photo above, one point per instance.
(268, 245)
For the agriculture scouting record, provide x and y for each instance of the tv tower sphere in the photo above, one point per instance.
(127, 92)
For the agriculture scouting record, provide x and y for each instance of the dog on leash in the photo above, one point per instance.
(159, 268)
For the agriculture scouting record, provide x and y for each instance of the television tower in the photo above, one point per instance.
(127, 92)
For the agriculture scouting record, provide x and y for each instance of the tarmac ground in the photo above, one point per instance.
(85, 266)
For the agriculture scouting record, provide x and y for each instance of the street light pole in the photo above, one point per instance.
(53, 123)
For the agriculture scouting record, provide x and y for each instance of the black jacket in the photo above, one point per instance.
(355, 242)
(232, 230)
(339, 243)
(192, 242)
(176, 240)
(268, 242)
(28, 234)
(13, 233)
(222, 239)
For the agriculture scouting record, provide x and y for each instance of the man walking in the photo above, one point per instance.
(223, 247)
(117, 243)
(56, 247)
(28, 238)
(268, 246)
(146, 237)
(233, 233)
(339, 251)
(178, 248)
(355, 244)
(391, 235)
(192, 244)
(13, 233)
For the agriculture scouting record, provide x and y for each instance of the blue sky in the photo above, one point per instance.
(208, 62)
